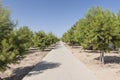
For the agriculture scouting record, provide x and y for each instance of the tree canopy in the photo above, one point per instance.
(97, 30)
(14, 42)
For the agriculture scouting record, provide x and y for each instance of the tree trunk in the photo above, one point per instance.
(119, 51)
(102, 58)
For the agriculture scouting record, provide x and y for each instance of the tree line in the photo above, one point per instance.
(14, 42)
(98, 30)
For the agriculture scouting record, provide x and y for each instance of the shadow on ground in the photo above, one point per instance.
(110, 59)
(42, 66)
(17, 74)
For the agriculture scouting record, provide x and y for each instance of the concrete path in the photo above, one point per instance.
(60, 64)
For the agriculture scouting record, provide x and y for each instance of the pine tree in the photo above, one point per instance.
(97, 31)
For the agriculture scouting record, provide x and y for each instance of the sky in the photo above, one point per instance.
(55, 16)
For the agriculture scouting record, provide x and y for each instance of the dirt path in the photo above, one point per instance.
(60, 64)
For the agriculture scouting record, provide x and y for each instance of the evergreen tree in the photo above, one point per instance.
(97, 31)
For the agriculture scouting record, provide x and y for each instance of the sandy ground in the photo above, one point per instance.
(19, 70)
(60, 64)
(109, 71)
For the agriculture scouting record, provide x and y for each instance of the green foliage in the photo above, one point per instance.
(6, 27)
(69, 36)
(13, 46)
(43, 40)
(15, 42)
(51, 39)
(97, 30)
(40, 40)
(25, 37)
